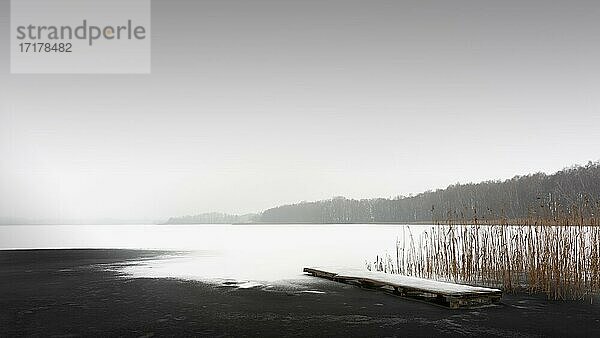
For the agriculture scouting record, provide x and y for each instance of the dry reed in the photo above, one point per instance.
(558, 255)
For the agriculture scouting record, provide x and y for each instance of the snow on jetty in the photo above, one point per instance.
(442, 293)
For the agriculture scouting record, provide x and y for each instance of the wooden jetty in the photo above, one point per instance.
(441, 293)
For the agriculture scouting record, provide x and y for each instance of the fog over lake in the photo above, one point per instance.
(254, 104)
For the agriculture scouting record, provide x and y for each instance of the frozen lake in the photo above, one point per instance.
(253, 253)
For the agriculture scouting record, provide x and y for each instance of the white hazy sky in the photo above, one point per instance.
(252, 104)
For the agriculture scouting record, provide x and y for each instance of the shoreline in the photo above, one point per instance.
(78, 292)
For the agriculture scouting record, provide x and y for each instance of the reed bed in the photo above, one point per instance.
(556, 256)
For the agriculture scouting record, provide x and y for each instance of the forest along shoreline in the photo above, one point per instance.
(574, 191)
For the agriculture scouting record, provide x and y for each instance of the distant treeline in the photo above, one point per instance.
(572, 191)
(213, 218)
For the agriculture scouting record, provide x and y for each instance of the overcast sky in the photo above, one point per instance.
(252, 104)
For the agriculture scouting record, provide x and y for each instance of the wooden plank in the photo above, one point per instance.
(442, 293)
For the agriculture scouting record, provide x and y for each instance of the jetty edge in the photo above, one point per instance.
(446, 294)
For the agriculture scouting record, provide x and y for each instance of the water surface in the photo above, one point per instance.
(247, 253)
